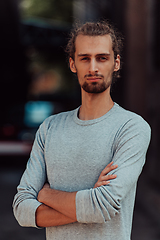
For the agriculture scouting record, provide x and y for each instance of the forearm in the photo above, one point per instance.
(49, 217)
(63, 202)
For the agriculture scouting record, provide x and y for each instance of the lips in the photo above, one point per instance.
(94, 79)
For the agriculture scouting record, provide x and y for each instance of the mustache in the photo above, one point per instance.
(94, 75)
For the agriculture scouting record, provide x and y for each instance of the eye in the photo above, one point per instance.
(85, 59)
(102, 58)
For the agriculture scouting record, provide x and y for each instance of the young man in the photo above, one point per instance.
(71, 150)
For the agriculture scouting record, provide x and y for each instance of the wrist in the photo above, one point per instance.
(43, 195)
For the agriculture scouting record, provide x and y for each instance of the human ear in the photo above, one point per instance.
(117, 63)
(72, 65)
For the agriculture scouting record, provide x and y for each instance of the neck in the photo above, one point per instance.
(95, 105)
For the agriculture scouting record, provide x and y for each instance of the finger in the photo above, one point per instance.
(110, 166)
(108, 169)
(103, 183)
(108, 177)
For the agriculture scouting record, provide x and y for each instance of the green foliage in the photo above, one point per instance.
(60, 10)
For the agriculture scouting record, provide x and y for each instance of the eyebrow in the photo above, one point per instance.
(99, 54)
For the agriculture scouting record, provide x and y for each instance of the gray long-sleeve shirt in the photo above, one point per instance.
(71, 153)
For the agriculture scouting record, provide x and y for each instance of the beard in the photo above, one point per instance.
(96, 87)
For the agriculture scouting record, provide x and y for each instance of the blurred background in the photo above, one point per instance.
(35, 82)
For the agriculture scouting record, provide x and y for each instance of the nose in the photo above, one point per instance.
(93, 68)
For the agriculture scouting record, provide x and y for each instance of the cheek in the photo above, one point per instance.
(108, 71)
(79, 76)
(81, 72)
(111, 68)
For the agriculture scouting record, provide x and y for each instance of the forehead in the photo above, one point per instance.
(93, 44)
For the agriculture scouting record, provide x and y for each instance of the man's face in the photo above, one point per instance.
(94, 62)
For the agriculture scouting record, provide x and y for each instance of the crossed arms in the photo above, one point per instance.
(96, 205)
(59, 207)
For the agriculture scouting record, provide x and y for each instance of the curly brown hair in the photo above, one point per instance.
(96, 29)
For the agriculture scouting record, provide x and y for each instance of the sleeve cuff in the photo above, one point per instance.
(28, 218)
(81, 202)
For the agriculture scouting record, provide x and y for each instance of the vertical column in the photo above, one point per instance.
(136, 56)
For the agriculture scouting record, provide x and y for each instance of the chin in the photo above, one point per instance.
(95, 87)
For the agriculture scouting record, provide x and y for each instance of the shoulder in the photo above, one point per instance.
(126, 116)
(51, 123)
(56, 119)
(132, 123)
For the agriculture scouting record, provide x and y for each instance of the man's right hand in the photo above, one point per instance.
(104, 178)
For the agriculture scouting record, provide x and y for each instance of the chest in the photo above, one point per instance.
(76, 155)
